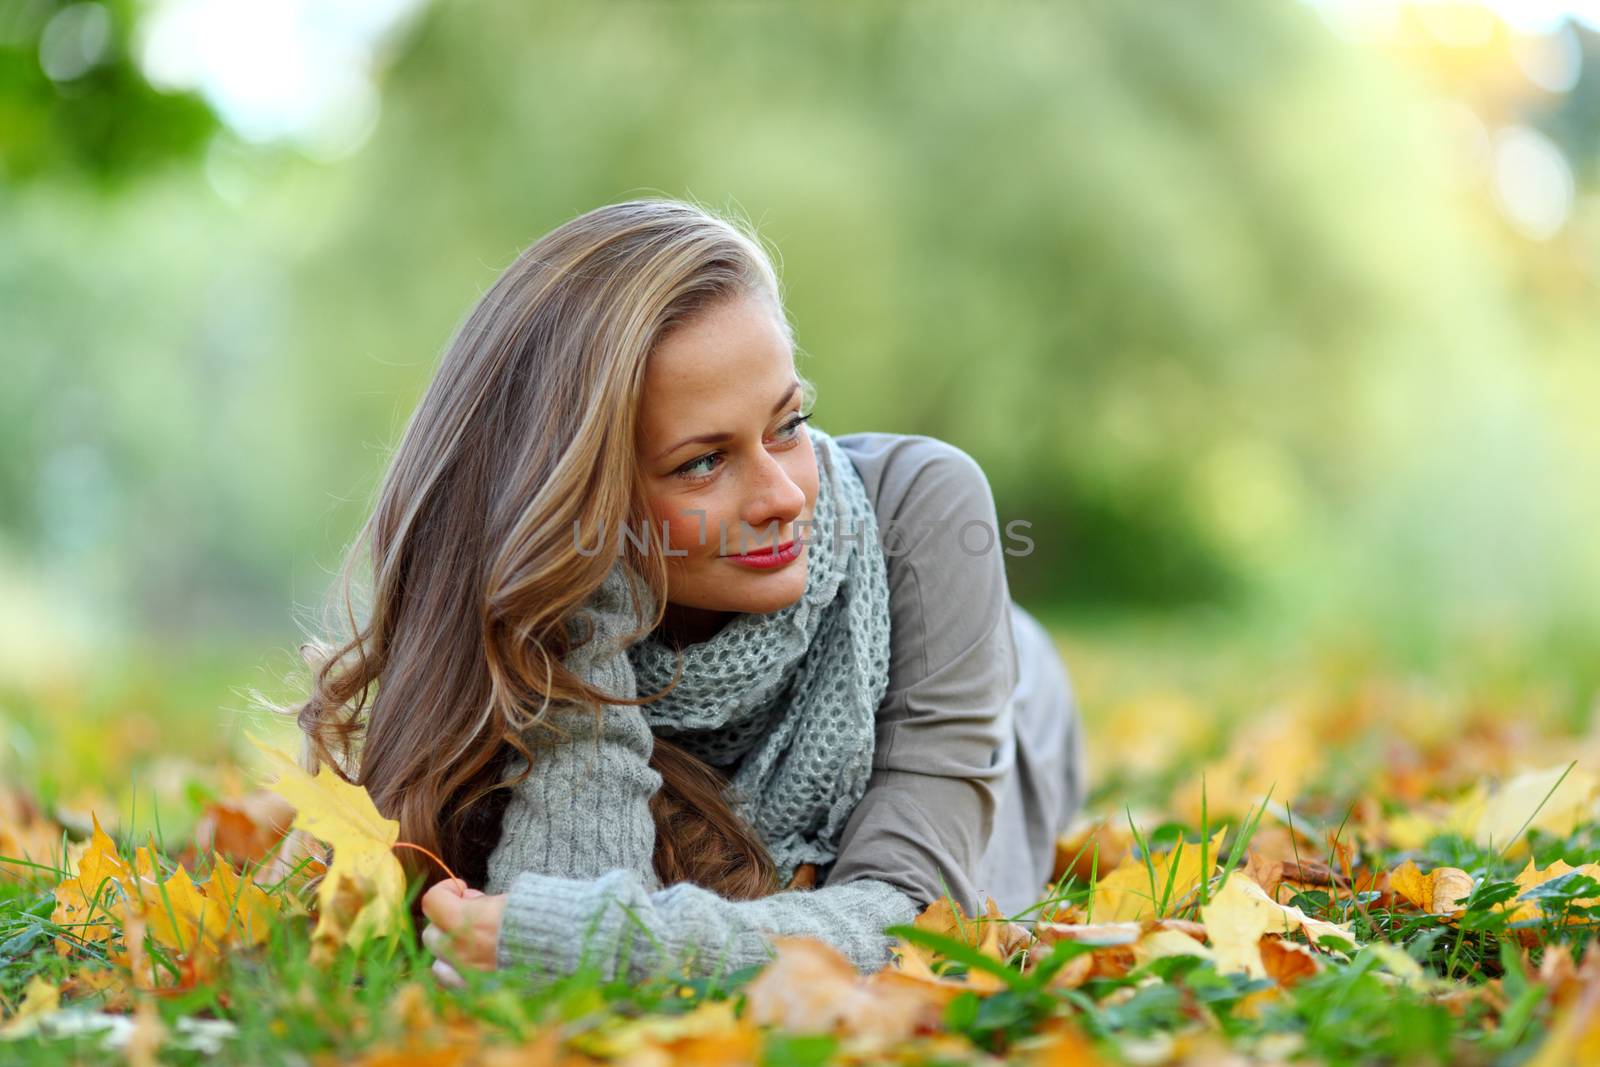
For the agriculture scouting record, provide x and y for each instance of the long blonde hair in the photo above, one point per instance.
(525, 437)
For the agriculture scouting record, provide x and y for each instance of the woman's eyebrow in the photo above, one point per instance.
(715, 438)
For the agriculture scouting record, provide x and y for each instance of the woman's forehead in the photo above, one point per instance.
(732, 366)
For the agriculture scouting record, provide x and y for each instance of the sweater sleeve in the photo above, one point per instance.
(557, 925)
(576, 851)
(585, 808)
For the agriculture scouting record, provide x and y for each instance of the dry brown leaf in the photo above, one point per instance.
(1265, 872)
(1114, 961)
(812, 988)
(989, 933)
(1078, 970)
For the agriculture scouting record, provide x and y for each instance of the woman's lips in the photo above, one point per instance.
(768, 558)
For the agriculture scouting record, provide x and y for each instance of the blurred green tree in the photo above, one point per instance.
(75, 104)
(1194, 283)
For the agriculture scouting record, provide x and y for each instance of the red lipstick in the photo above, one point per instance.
(768, 558)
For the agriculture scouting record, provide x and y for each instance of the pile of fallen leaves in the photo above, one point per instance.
(1325, 888)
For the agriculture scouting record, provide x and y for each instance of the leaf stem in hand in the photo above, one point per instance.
(436, 859)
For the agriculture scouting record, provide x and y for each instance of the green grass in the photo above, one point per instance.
(1482, 1001)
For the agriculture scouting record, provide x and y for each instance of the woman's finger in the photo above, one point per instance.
(448, 975)
(442, 903)
(435, 940)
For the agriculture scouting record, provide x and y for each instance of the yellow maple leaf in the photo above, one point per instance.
(247, 907)
(1241, 912)
(1413, 829)
(1160, 942)
(178, 915)
(90, 890)
(709, 1027)
(1126, 894)
(1531, 877)
(1535, 800)
(362, 895)
(101, 862)
(1235, 920)
(39, 999)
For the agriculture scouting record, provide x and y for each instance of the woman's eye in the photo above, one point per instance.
(794, 424)
(689, 469)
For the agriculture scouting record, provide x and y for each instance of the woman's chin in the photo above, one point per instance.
(773, 592)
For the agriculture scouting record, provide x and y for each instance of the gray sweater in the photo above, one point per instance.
(576, 845)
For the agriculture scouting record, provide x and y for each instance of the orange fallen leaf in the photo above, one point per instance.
(243, 828)
(1438, 892)
(1287, 962)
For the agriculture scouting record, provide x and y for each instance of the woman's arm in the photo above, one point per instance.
(558, 924)
(577, 847)
(585, 809)
(945, 735)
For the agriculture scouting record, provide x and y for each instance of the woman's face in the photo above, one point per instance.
(728, 464)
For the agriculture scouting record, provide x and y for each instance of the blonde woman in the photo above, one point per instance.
(663, 669)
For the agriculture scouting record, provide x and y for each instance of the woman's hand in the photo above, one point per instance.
(463, 928)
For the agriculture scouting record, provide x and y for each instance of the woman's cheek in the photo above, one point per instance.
(683, 531)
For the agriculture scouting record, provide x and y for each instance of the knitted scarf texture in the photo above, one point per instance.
(785, 702)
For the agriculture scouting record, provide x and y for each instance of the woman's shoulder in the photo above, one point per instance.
(911, 475)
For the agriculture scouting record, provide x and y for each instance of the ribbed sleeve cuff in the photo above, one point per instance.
(850, 916)
(556, 925)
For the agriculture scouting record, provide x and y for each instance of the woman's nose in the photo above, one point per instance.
(775, 501)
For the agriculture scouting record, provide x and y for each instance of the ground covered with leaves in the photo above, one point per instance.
(1355, 865)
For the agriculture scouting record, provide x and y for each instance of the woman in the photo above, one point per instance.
(654, 656)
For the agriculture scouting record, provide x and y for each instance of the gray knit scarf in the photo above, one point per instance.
(786, 702)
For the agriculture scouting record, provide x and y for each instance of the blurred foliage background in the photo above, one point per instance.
(1275, 319)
